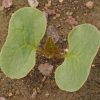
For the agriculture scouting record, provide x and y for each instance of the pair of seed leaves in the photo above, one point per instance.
(26, 28)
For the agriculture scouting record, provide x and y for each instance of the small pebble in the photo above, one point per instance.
(45, 69)
(34, 94)
(57, 15)
(64, 39)
(69, 13)
(89, 4)
(66, 50)
(93, 65)
(17, 92)
(38, 90)
(10, 94)
(50, 12)
(47, 5)
(54, 17)
(7, 3)
(61, 1)
(53, 32)
(85, 14)
(33, 3)
(71, 21)
(47, 94)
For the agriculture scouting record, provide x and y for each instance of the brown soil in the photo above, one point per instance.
(23, 89)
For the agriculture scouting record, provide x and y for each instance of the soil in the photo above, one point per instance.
(23, 89)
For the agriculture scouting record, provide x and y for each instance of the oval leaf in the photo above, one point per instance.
(26, 28)
(84, 42)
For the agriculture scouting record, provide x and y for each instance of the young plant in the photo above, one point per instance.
(84, 42)
(26, 29)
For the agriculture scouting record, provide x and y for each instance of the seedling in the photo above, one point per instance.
(26, 28)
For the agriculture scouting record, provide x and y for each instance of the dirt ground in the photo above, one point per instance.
(23, 89)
